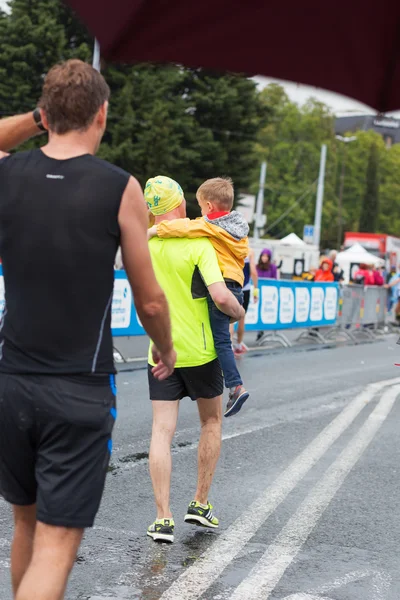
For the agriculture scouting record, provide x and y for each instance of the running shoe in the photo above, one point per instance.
(237, 397)
(162, 530)
(240, 349)
(201, 514)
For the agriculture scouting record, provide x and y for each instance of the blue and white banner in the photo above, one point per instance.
(124, 318)
(292, 304)
(281, 305)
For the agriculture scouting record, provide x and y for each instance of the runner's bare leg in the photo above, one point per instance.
(210, 411)
(165, 416)
(54, 553)
(22, 546)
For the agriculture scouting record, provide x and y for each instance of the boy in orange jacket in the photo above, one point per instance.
(228, 233)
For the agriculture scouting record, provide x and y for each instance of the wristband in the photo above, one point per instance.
(38, 119)
(256, 292)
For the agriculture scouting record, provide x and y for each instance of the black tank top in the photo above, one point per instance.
(59, 235)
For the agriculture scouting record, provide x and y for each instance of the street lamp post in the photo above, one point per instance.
(345, 140)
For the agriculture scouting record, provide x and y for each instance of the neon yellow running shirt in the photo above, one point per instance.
(181, 265)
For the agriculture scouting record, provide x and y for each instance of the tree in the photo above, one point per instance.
(291, 143)
(189, 124)
(33, 37)
(370, 206)
(389, 191)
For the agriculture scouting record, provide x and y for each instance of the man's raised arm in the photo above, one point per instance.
(16, 130)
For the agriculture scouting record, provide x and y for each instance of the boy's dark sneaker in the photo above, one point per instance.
(162, 530)
(198, 514)
(237, 397)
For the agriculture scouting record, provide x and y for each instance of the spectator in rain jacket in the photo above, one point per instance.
(364, 275)
(266, 268)
(337, 271)
(378, 276)
(324, 273)
(394, 287)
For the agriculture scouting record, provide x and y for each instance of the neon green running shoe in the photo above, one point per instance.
(162, 530)
(199, 514)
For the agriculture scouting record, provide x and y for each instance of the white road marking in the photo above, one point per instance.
(196, 579)
(342, 581)
(268, 571)
(381, 582)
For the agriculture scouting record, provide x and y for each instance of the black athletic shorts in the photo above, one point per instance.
(55, 444)
(205, 381)
(246, 299)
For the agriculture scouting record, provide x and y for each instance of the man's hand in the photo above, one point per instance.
(152, 232)
(3, 154)
(165, 363)
(256, 293)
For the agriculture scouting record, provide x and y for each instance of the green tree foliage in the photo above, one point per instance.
(291, 143)
(34, 36)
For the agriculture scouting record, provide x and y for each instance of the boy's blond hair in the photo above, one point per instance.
(219, 191)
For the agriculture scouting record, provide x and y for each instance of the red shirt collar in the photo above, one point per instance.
(217, 215)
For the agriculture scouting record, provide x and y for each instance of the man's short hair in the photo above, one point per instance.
(219, 191)
(73, 93)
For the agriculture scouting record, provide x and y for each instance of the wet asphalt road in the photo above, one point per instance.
(304, 515)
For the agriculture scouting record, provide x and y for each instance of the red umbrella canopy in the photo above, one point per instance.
(349, 46)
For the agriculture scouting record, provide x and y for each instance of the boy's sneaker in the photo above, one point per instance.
(237, 397)
(162, 530)
(201, 514)
(240, 349)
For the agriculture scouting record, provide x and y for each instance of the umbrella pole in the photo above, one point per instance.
(96, 55)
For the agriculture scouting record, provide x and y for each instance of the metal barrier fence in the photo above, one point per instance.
(322, 311)
(362, 312)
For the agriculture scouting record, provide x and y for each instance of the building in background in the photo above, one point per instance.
(387, 127)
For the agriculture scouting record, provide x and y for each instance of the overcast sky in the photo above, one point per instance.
(300, 93)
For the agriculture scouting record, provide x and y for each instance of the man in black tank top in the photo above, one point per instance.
(63, 215)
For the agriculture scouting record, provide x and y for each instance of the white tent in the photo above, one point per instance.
(292, 240)
(355, 255)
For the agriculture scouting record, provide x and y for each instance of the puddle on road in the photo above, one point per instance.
(138, 456)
